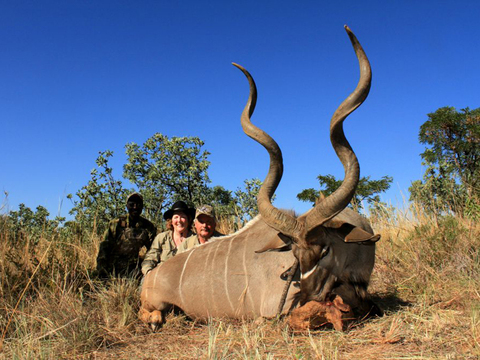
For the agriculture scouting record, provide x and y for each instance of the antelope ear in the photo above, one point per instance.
(357, 234)
(351, 232)
(279, 243)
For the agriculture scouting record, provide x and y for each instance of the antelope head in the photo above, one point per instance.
(324, 241)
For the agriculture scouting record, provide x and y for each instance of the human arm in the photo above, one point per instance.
(188, 243)
(152, 257)
(104, 265)
(152, 233)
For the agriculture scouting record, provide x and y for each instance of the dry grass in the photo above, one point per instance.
(427, 280)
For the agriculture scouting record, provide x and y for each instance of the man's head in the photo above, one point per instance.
(205, 222)
(135, 205)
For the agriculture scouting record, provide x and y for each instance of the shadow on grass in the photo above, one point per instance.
(389, 302)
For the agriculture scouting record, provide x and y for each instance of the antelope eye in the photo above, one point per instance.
(324, 252)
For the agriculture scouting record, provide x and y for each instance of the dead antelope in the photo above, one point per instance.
(243, 275)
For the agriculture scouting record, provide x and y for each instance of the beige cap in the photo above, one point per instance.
(205, 210)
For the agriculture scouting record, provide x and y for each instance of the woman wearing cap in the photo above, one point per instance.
(179, 222)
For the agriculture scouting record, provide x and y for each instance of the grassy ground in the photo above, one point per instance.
(426, 279)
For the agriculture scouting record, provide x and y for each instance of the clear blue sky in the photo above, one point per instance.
(79, 77)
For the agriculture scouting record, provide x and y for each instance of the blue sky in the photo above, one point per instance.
(79, 77)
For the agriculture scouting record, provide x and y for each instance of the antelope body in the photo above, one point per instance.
(223, 278)
(243, 275)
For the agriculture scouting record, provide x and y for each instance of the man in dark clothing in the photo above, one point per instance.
(119, 252)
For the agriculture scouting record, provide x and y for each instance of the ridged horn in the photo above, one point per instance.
(339, 199)
(274, 217)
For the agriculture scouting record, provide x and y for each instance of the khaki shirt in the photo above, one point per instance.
(162, 249)
(119, 252)
(193, 241)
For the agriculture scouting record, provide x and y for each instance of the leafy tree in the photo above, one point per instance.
(438, 191)
(367, 190)
(452, 159)
(245, 200)
(32, 224)
(166, 170)
(239, 207)
(222, 200)
(102, 199)
(163, 170)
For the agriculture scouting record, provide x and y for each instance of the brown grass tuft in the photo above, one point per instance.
(426, 279)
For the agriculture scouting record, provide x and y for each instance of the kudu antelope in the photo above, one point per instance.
(235, 276)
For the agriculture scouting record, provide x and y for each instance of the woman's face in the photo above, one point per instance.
(179, 221)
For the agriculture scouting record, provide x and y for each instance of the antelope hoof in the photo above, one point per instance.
(155, 326)
(156, 320)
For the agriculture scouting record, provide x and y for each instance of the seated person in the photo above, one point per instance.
(179, 223)
(205, 224)
(126, 235)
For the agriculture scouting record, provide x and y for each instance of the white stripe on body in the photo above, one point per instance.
(214, 302)
(246, 273)
(204, 288)
(154, 281)
(181, 276)
(225, 283)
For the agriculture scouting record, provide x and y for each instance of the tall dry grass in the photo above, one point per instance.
(426, 279)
